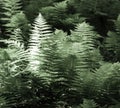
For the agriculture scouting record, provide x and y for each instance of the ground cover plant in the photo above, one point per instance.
(59, 54)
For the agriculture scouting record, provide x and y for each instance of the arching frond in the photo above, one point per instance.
(17, 53)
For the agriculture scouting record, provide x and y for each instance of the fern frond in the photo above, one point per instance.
(10, 8)
(37, 43)
(89, 104)
(84, 47)
(112, 42)
(17, 54)
(107, 79)
(61, 6)
(85, 39)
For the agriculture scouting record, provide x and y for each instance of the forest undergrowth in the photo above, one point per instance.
(59, 54)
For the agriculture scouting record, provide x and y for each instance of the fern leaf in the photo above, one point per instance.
(38, 39)
(85, 40)
(112, 42)
(87, 54)
(10, 8)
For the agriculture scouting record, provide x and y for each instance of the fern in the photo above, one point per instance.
(16, 45)
(86, 54)
(85, 44)
(13, 64)
(2, 102)
(46, 57)
(107, 82)
(37, 44)
(60, 81)
(17, 36)
(60, 17)
(11, 8)
(112, 42)
(16, 53)
(88, 104)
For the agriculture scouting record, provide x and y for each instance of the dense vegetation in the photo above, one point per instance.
(59, 54)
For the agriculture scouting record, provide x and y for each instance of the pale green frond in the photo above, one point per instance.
(38, 39)
(85, 39)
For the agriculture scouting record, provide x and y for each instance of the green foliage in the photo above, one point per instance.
(9, 70)
(59, 17)
(88, 104)
(107, 81)
(32, 7)
(112, 42)
(95, 7)
(16, 71)
(115, 106)
(13, 18)
(2, 102)
(44, 67)
(13, 5)
(86, 44)
(87, 58)
(10, 8)
(37, 45)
